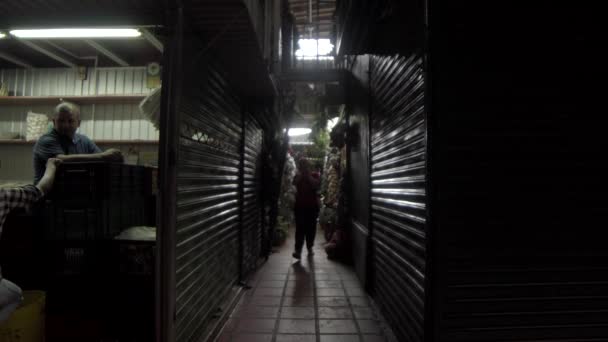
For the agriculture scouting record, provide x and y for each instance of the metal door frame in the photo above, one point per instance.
(168, 156)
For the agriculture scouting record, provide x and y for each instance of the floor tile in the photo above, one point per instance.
(299, 292)
(337, 326)
(226, 336)
(282, 302)
(273, 277)
(332, 301)
(268, 292)
(364, 313)
(296, 326)
(255, 325)
(355, 292)
(327, 277)
(330, 292)
(352, 283)
(278, 269)
(252, 338)
(271, 283)
(359, 301)
(335, 312)
(348, 276)
(369, 326)
(296, 338)
(255, 311)
(301, 276)
(297, 312)
(263, 301)
(321, 284)
(298, 301)
(321, 270)
(340, 338)
(300, 283)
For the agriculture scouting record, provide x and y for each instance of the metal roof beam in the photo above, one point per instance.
(65, 60)
(313, 75)
(152, 39)
(111, 55)
(15, 60)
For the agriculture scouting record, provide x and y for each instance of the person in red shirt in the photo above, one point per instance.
(306, 208)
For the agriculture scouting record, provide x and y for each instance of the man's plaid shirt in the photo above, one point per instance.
(21, 197)
(11, 198)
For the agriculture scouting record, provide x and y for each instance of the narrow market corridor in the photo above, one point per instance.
(314, 299)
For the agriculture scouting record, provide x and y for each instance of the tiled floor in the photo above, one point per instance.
(312, 300)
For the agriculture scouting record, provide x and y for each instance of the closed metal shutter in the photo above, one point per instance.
(252, 205)
(398, 198)
(358, 109)
(208, 208)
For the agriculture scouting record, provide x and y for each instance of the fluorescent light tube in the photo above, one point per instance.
(294, 132)
(77, 33)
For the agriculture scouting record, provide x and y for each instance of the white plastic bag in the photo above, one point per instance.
(37, 125)
(140, 233)
(150, 107)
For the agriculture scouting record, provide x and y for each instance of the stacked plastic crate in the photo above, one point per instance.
(90, 205)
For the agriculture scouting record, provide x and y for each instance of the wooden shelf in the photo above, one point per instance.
(53, 100)
(99, 142)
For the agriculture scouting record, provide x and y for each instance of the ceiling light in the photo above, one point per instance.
(77, 33)
(332, 123)
(314, 47)
(294, 132)
(2, 35)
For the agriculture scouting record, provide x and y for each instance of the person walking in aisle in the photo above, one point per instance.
(306, 208)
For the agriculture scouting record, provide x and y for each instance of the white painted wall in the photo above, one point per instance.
(64, 81)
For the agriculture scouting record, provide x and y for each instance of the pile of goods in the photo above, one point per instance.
(330, 188)
(287, 199)
(333, 215)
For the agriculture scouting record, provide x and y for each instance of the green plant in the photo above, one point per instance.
(281, 230)
(320, 145)
(320, 136)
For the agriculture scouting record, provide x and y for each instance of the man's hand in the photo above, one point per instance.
(52, 163)
(46, 183)
(112, 155)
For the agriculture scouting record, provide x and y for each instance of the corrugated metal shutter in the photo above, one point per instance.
(521, 171)
(207, 199)
(398, 166)
(526, 298)
(358, 109)
(252, 205)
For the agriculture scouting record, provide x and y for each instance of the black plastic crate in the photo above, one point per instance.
(78, 258)
(77, 220)
(134, 258)
(93, 201)
(98, 180)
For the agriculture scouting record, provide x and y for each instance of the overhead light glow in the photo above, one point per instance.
(314, 58)
(294, 132)
(310, 48)
(77, 33)
(2, 35)
(332, 123)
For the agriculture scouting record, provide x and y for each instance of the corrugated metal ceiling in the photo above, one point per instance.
(226, 25)
(79, 13)
(135, 52)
